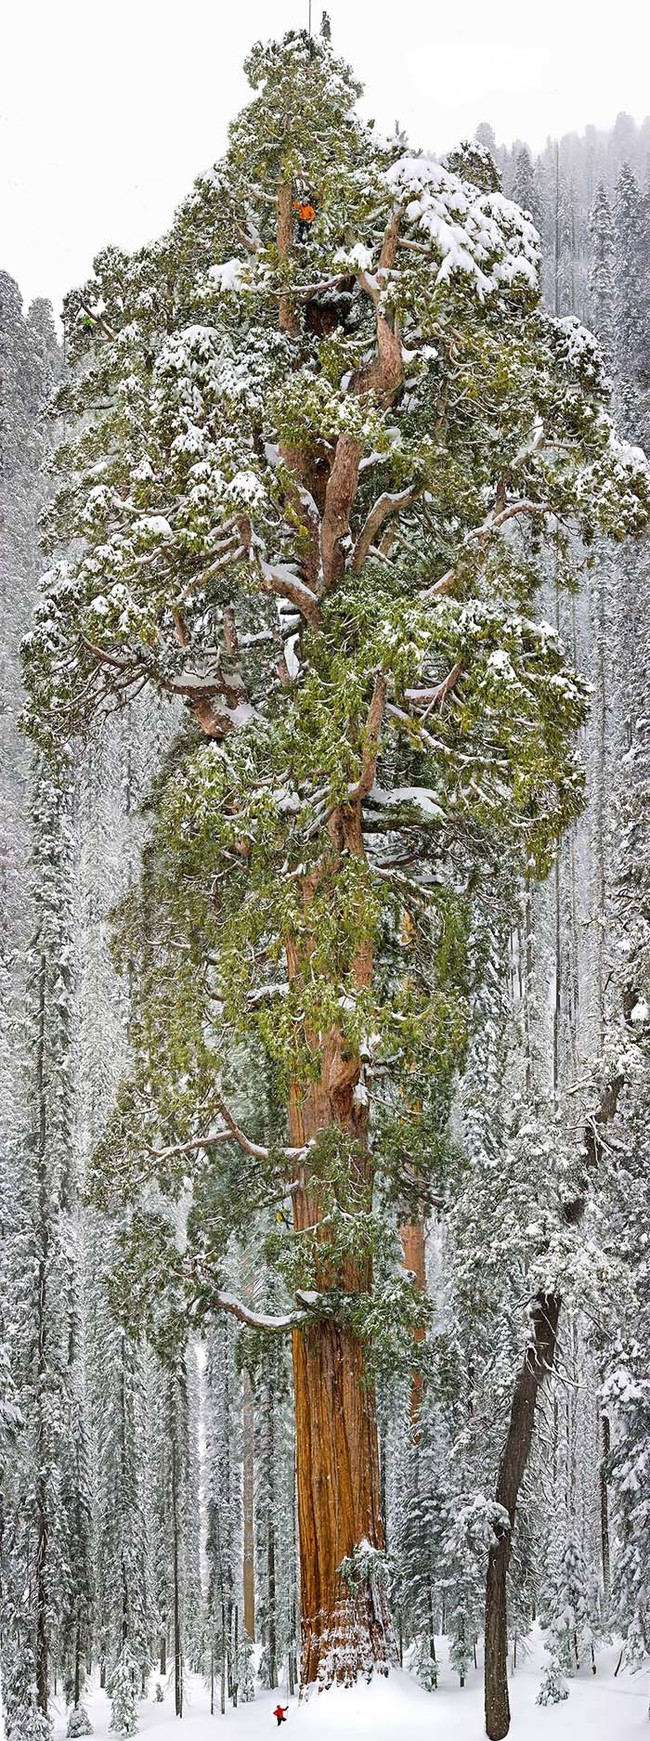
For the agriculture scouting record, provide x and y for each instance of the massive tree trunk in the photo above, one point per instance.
(537, 1363)
(345, 1630)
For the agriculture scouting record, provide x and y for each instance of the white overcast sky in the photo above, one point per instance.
(107, 111)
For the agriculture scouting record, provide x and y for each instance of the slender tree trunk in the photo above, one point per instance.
(270, 1540)
(538, 1361)
(42, 1520)
(178, 1642)
(235, 1659)
(605, 1431)
(413, 1247)
(432, 1626)
(248, 1506)
(77, 1666)
(293, 1590)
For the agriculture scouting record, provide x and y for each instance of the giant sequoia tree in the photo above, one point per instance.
(310, 495)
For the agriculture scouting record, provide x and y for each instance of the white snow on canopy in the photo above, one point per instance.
(229, 274)
(420, 796)
(581, 344)
(630, 458)
(153, 526)
(483, 235)
(359, 257)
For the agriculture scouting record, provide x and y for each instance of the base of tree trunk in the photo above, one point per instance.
(537, 1363)
(357, 1639)
(345, 1626)
(497, 1701)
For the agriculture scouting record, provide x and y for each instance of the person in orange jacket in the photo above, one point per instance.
(305, 211)
(281, 1713)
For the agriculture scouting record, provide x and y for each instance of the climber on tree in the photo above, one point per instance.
(306, 211)
(280, 1712)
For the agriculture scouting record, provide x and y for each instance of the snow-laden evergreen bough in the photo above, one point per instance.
(310, 496)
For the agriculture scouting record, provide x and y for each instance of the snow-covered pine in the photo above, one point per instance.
(568, 1616)
(46, 1496)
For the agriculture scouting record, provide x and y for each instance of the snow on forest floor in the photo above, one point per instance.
(599, 1708)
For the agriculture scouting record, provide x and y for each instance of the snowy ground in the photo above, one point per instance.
(599, 1708)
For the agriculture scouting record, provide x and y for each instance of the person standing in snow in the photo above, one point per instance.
(281, 1713)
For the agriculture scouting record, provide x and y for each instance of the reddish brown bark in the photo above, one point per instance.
(337, 1454)
(343, 1632)
(412, 1236)
(339, 496)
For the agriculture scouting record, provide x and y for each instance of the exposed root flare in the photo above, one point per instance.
(356, 1639)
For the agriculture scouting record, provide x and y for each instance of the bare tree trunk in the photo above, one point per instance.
(413, 1247)
(248, 1507)
(338, 1503)
(42, 1521)
(235, 1679)
(538, 1362)
(270, 1541)
(343, 1631)
(606, 1441)
(338, 1484)
(178, 1642)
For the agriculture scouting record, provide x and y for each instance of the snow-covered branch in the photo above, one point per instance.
(434, 697)
(481, 535)
(259, 1320)
(232, 1133)
(276, 578)
(386, 506)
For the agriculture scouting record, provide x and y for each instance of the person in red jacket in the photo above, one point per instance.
(280, 1712)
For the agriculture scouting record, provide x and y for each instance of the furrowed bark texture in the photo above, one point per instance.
(343, 1633)
(337, 1469)
(538, 1362)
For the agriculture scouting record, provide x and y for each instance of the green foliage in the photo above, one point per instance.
(222, 383)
